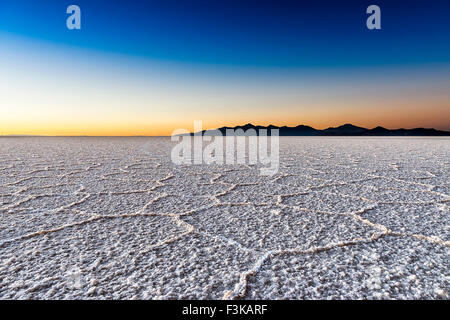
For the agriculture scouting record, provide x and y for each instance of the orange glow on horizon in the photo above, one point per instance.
(48, 90)
(76, 98)
(390, 115)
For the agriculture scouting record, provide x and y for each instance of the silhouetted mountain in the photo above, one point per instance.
(379, 131)
(344, 130)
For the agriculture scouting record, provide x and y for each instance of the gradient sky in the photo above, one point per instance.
(149, 67)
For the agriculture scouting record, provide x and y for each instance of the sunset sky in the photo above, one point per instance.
(149, 67)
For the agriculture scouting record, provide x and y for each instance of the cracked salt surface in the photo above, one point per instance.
(391, 267)
(113, 218)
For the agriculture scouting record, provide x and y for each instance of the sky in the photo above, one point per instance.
(150, 67)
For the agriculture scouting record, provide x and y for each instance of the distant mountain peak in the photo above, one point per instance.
(349, 125)
(346, 129)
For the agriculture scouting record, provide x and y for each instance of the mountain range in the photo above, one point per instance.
(344, 130)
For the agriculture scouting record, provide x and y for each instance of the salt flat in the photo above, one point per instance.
(113, 218)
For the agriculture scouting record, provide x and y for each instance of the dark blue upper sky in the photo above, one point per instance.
(245, 33)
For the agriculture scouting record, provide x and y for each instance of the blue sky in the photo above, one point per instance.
(249, 33)
(226, 62)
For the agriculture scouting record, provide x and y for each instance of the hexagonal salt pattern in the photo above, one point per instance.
(114, 218)
(264, 228)
(427, 219)
(388, 268)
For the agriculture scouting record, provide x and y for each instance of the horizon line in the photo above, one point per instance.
(217, 128)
